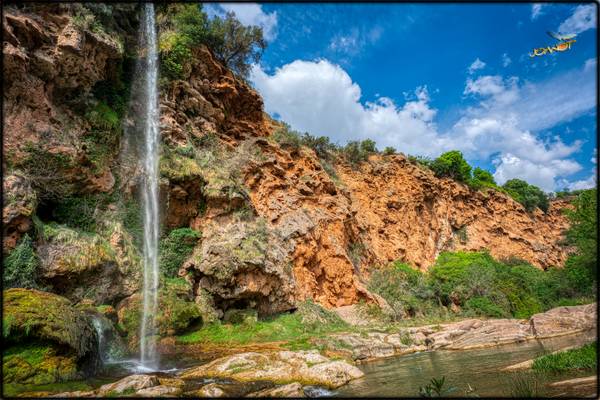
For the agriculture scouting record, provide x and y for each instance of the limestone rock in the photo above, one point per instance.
(210, 390)
(285, 366)
(19, 204)
(132, 382)
(290, 390)
(160, 391)
(564, 320)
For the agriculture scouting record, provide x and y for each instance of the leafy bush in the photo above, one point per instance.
(480, 285)
(175, 249)
(356, 152)
(388, 151)
(21, 265)
(583, 233)
(404, 288)
(482, 179)
(320, 144)
(419, 160)
(529, 195)
(452, 164)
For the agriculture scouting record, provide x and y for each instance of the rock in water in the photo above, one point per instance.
(132, 382)
(308, 367)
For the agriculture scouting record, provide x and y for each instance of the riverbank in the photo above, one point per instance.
(336, 354)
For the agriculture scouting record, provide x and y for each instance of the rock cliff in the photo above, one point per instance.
(276, 227)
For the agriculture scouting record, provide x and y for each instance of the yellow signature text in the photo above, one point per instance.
(562, 46)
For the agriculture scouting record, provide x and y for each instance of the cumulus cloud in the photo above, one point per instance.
(320, 97)
(582, 19)
(542, 175)
(249, 14)
(506, 60)
(588, 183)
(476, 65)
(536, 10)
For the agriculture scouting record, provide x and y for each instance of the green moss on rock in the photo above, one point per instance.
(38, 363)
(32, 314)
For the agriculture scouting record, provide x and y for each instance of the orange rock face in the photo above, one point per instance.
(330, 232)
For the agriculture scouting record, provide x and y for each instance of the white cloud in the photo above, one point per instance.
(476, 65)
(506, 60)
(582, 19)
(536, 10)
(321, 98)
(542, 175)
(249, 14)
(587, 183)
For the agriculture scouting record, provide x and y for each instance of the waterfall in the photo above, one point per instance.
(149, 154)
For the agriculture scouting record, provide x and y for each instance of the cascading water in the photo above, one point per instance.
(148, 355)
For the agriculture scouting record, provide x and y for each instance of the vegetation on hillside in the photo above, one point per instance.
(478, 285)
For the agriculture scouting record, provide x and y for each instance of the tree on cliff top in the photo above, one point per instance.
(184, 26)
(453, 165)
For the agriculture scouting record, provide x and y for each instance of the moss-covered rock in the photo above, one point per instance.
(38, 363)
(176, 311)
(101, 267)
(68, 340)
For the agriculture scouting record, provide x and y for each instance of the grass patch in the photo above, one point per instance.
(14, 389)
(308, 322)
(583, 358)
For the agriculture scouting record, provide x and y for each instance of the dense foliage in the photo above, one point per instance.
(478, 284)
(529, 195)
(20, 267)
(452, 164)
(185, 26)
(583, 233)
(175, 248)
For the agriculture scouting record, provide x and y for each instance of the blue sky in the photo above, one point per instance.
(427, 78)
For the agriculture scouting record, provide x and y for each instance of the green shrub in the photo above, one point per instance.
(484, 306)
(175, 52)
(356, 152)
(287, 137)
(529, 196)
(20, 267)
(482, 179)
(404, 288)
(423, 162)
(583, 232)
(321, 145)
(583, 358)
(175, 249)
(452, 164)
(388, 151)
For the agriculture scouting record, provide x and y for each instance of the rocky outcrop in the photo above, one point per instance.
(463, 335)
(82, 265)
(19, 205)
(406, 213)
(50, 66)
(308, 367)
(52, 328)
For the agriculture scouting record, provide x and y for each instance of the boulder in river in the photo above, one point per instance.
(307, 367)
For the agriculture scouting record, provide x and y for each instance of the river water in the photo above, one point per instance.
(480, 369)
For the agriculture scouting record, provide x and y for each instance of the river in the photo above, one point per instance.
(479, 368)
